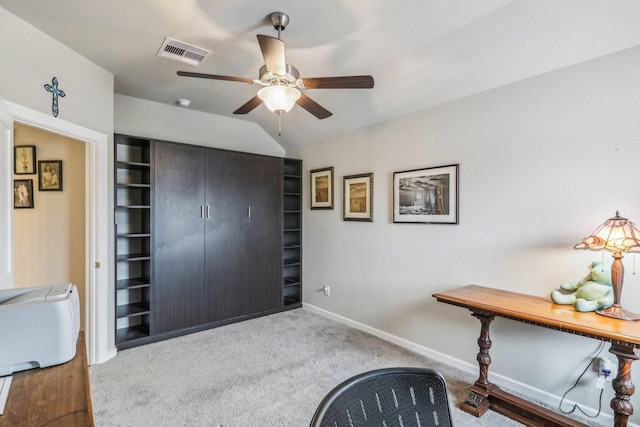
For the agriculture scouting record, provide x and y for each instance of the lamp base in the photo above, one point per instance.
(618, 312)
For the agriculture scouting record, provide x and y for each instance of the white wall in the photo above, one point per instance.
(31, 58)
(543, 162)
(148, 119)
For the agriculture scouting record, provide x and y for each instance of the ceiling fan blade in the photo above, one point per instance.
(249, 106)
(346, 82)
(214, 77)
(273, 53)
(313, 107)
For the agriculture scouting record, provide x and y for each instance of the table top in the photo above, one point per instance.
(57, 396)
(542, 311)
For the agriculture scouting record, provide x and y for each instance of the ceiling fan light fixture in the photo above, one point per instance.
(278, 98)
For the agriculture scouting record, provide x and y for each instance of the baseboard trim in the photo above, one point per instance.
(502, 381)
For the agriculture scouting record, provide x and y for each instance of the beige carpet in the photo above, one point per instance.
(270, 371)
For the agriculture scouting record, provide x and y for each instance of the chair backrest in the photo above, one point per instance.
(385, 398)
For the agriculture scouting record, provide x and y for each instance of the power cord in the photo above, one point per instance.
(605, 372)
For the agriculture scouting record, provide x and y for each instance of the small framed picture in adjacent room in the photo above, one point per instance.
(25, 159)
(358, 197)
(50, 175)
(23, 193)
(322, 188)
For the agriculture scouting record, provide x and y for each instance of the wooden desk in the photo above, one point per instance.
(57, 396)
(486, 303)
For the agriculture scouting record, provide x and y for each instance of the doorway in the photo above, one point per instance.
(99, 302)
(49, 229)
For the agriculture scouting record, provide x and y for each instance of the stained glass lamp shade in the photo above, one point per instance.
(616, 235)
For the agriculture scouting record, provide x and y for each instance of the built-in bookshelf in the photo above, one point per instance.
(292, 232)
(133, 219)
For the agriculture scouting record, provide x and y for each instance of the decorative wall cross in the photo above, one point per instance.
(53, 88)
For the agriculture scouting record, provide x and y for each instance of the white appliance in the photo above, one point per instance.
(38, 326)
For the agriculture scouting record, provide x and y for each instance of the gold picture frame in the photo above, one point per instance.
(23, 194)
(358, 197)
(322, 188)
(24, 157)
(50, 175)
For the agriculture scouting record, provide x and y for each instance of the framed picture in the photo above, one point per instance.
(50, 175)
(358, 197)
(25, 159)
(322, 188)
(23, 193)
(428, 196)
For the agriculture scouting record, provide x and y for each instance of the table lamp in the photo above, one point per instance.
(616, 235)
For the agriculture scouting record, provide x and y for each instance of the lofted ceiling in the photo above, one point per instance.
(421, 53)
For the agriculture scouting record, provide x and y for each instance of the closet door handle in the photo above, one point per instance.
(249, 212)
(208, 216)
(201, 211)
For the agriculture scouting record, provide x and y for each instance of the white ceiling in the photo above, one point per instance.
(421, 53)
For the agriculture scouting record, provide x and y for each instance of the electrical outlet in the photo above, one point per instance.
(327, 290)
(605, 368)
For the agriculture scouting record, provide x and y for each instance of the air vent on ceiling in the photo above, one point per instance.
(183, 52)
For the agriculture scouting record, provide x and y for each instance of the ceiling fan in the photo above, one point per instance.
(281, 82)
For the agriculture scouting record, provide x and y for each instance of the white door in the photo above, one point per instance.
(6, 196)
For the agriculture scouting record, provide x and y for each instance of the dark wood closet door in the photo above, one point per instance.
(228, 240)
(266, 222)
(178, 236)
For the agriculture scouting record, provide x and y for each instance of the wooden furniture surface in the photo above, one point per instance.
(57, 396)
(204, 237)
(243, 234)
(179, 228)
(541, 311)
(217, 238)
(487, 303)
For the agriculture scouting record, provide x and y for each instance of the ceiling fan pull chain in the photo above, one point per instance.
(279, 125)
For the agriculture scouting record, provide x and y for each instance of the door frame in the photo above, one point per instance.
(6, 203)
(98, 301)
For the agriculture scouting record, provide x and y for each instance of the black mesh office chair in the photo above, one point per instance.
(387, 397)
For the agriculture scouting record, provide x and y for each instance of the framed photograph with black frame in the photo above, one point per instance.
(358, 197)
(322, 188)
(25, 159)
(426, 196)
(23, 193)
(50, 175)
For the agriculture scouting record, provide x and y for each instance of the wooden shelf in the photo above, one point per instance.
(133, 257)
(292, 235)
(132, 235)
(133, 207)
(134, 192)
(132, 333)
(133, 165)
(137, 309)
(133, 283)
(125, 185)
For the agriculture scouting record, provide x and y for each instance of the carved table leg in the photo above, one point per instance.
(622, 384)
(478, 401)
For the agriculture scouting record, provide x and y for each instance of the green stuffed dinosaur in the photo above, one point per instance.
(592, 293)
